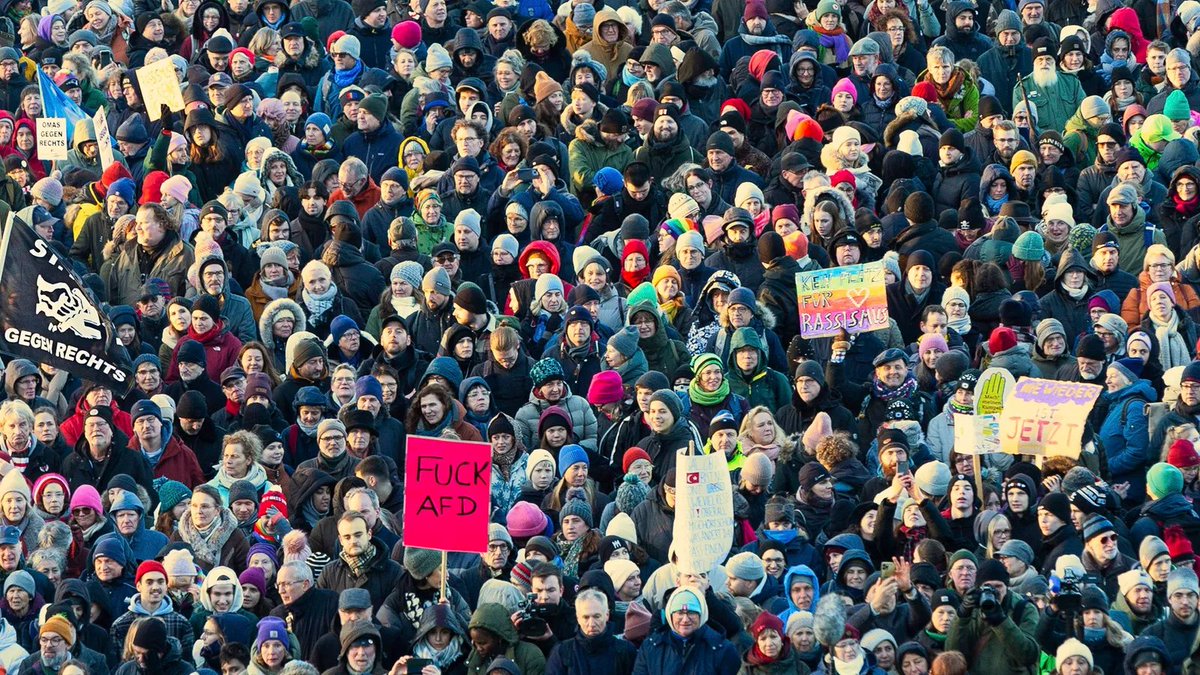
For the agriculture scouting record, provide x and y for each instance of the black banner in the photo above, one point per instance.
(47, 317)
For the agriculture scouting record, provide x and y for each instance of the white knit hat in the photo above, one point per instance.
(1072, 647)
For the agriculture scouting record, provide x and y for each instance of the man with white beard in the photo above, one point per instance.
(1056, 95)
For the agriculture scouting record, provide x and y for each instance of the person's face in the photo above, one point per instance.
(150, 232)
(892, 373)
(963, 574)
(204, 510)
(1183, 604)
(106, 568)
(659, 417)
(801, 593)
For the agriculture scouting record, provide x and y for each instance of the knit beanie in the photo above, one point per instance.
(1162, 481)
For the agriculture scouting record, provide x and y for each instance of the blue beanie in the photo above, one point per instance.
(320, 121)
(145, 407)
(609, 181)
(448, 368)
(110, 546)
(124, 189)
(147, 358)
(122, 315)
(340, 324)
(126, 501)
(367, 385)
(572, 454)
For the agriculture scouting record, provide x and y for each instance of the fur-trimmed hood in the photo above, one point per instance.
(891, 133)
(831, 194)
(268, 319)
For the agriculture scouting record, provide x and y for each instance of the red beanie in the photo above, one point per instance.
(242, 50)
(1178, 545)
(333, 37)
(273, 498)
(755, 9)
(925, 90)
(796, 245)
(1003, 338)
(632, 455)
(407, 34)
(1183, 455)
(152, 187)
(147, 567)
(766, 621)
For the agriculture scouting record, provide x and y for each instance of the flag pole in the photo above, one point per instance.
(9, 223)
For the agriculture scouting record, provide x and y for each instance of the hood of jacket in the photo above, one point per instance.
(990, 174)
(540, 213)
(271, 312)
(221, 575)
(495, 618)
(545, 248)
(828, 193)
(660, 55)
(800, 571)
(15, 370)
(953, 9)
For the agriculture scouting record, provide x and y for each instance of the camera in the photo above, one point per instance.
(1068, 596)
(532, 617)
(988, 602)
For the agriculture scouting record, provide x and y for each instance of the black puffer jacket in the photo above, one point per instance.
(379, 576)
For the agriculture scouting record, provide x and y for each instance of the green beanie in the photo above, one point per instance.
(1029, 247)
(962, 554)
(1164, 480)
(828, 7)
(643, 292)
(1176, 107)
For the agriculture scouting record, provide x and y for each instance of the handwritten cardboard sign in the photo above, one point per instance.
(852, 298)
(52, 138)
(103, 138)
(1046, 417)
(160, 85)
(447, 494)
(703, 530)
(992, 389)
(976, 434)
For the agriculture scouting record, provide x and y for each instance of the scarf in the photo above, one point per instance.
(962, 408)
(442, 658)
(701, 397)
(405, 307)
(345, 78)
(635, 278)
(906, 389)
(952, 86)
(995, 204)
(505, 460)
(358, 564)
(771, 451)
(849, 667)
(912, 536)
(333, 467)
(207, 543)
(1076, 293)
(628, 79)
(1186, 208)
(570, 556)
(207, 336)
(1173, 350)
(918, 295)
(961, 326)
(834, 39)
(936, 638)
(757, 658)
(319, 304)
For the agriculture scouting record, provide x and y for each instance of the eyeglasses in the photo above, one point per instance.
(51, 641)
(281, 584)
(332, 438)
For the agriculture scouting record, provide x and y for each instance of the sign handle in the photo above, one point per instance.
(976, 465)
(445, 574)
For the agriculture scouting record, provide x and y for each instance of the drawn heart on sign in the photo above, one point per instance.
(858, 295)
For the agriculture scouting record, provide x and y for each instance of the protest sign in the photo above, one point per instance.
(160, 86)
(703, 529)
(103, 138)
(48, 317)
(976, 434)
(51, 138)
(447, 494)
(1046, 417)
(851, 298)
(992, 389)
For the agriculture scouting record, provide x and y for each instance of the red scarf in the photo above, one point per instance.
(756, 657)
(1188, 208)
(233, 407)
(204, 338)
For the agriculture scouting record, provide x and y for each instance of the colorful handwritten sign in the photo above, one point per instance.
(851, 298)
(1046, 417)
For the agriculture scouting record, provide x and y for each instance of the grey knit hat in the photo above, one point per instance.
(409, 272)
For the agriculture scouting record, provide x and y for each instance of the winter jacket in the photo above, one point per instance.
(764, 386)
(495, 619)
(583, 418)
(379, 577)
(1010, 647)
(355, 277)
(705, 651)
(1071, 312)
(1055, 105)
(1125, 436)
(603, 654)
(957, 182)
(654, 523)
(124, 279)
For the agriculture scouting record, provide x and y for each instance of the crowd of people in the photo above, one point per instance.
(573, 232)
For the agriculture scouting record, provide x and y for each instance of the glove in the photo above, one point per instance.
(969, 603)
(281, 525)
(167, 117)
(995, 616)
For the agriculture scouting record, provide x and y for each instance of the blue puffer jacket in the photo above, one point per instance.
(1126, 438)
(665, 653)
(788, 578)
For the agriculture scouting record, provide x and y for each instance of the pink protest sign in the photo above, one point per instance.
(447, 494)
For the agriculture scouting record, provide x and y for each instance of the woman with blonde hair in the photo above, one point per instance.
(759, 432)
(239, 461)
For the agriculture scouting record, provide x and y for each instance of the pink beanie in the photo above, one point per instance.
(606, 388)
(526, 520)
(87, 496)
(255, 577)
(44, 480)
(407, 34)
(846, 86)
(933, 341)
(178, 187)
